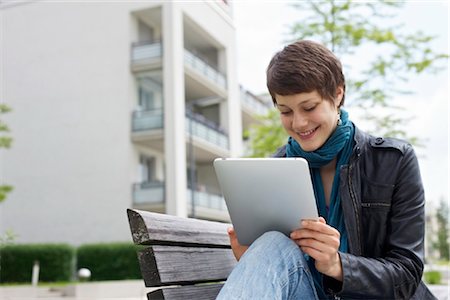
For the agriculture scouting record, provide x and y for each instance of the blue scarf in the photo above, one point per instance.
(339, 145)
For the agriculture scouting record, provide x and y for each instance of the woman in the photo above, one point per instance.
(368, 242)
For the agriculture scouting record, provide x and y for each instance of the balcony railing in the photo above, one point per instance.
(253, 104)
(148, 192)
(207, 200)
(153, 193)
(202, 128)
(147, 119)
(196, 125)
(146, 50)
(205, 69)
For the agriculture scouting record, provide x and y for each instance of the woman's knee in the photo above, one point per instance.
(273, 241)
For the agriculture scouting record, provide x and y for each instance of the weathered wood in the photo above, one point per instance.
(197, 292)
(150, 228)
(169, 265)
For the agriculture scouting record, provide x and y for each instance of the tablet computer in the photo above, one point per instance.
(266, 194)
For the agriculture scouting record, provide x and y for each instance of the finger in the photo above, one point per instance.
(330, 246)
(314, 232)
(316, 254)
(322, 220)
(303, 234)
(230, 230)
(319, 226)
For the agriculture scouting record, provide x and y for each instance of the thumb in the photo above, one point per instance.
(232, 235)
(230, 231)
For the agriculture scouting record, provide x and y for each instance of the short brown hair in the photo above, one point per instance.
(302, 67)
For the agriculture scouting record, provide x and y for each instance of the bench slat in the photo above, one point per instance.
(152, 228)
(198, 292)
(169, 265)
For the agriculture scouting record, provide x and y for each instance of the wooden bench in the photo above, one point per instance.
(186, 258)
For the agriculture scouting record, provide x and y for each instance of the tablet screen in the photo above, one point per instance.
(266, 194)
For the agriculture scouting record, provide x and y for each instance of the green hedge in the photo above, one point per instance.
(433, 277)
(55, 261)
(109, 261)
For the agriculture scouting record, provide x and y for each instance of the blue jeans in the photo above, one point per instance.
(272, 268)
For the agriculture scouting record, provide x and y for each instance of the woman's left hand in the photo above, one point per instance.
(320, 241)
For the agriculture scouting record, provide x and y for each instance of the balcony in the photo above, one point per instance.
(148, 193)
(206, 200)
(147, 127)
(207, 205)
(204, 69)
(252, 104)
(202, 128)
(146, 55)
(147, 120)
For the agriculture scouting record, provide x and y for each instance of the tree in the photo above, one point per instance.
(268, 136)
(393, 57)
(5, 142)
(349, 28)
(442, 243)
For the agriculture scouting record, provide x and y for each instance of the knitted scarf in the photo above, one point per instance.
(339, 145)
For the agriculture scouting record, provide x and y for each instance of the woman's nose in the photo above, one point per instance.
(299, 122)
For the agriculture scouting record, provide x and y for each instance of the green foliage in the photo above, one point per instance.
(349, 28)
(5, 142)
(7, 238)
(442, 243)
(109, 261)
(345, 27)
(432, 277)
(4, 189)
(55, 261)
(267, 137)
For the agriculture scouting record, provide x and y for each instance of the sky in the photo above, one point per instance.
(262, 29)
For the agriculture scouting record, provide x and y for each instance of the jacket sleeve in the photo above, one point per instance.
(398, 272)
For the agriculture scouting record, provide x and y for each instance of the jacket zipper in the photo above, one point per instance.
(375, 205)
(353, 197)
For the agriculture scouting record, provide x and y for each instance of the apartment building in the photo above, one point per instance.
(117, 105)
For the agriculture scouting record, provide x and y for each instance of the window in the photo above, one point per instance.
(147, 166)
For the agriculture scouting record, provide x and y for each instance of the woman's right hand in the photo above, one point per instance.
(238, 249)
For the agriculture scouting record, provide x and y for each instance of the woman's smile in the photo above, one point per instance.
(308, 134)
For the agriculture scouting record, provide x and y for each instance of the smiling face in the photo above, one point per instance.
(308, 118)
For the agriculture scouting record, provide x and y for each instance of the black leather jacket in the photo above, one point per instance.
(383, 204)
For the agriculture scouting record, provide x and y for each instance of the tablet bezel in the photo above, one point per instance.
(266, 194)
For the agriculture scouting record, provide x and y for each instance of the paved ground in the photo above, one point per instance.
(442, 292)
(123, 289)
(113, 290)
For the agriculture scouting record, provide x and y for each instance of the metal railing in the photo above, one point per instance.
(204, 68)
(146, 50)
(148, 192)
(147, 119)
(153, 192)
(253, 104)
(202, 128)
(153, 49)
(207, 200)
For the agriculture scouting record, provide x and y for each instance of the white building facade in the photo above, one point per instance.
(116, 105)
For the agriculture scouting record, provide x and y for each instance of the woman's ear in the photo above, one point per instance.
(339, 96)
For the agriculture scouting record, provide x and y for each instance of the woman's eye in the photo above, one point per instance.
(309, 108)
(284, 112)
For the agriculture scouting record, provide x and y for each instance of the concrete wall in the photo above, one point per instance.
(66, 76)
